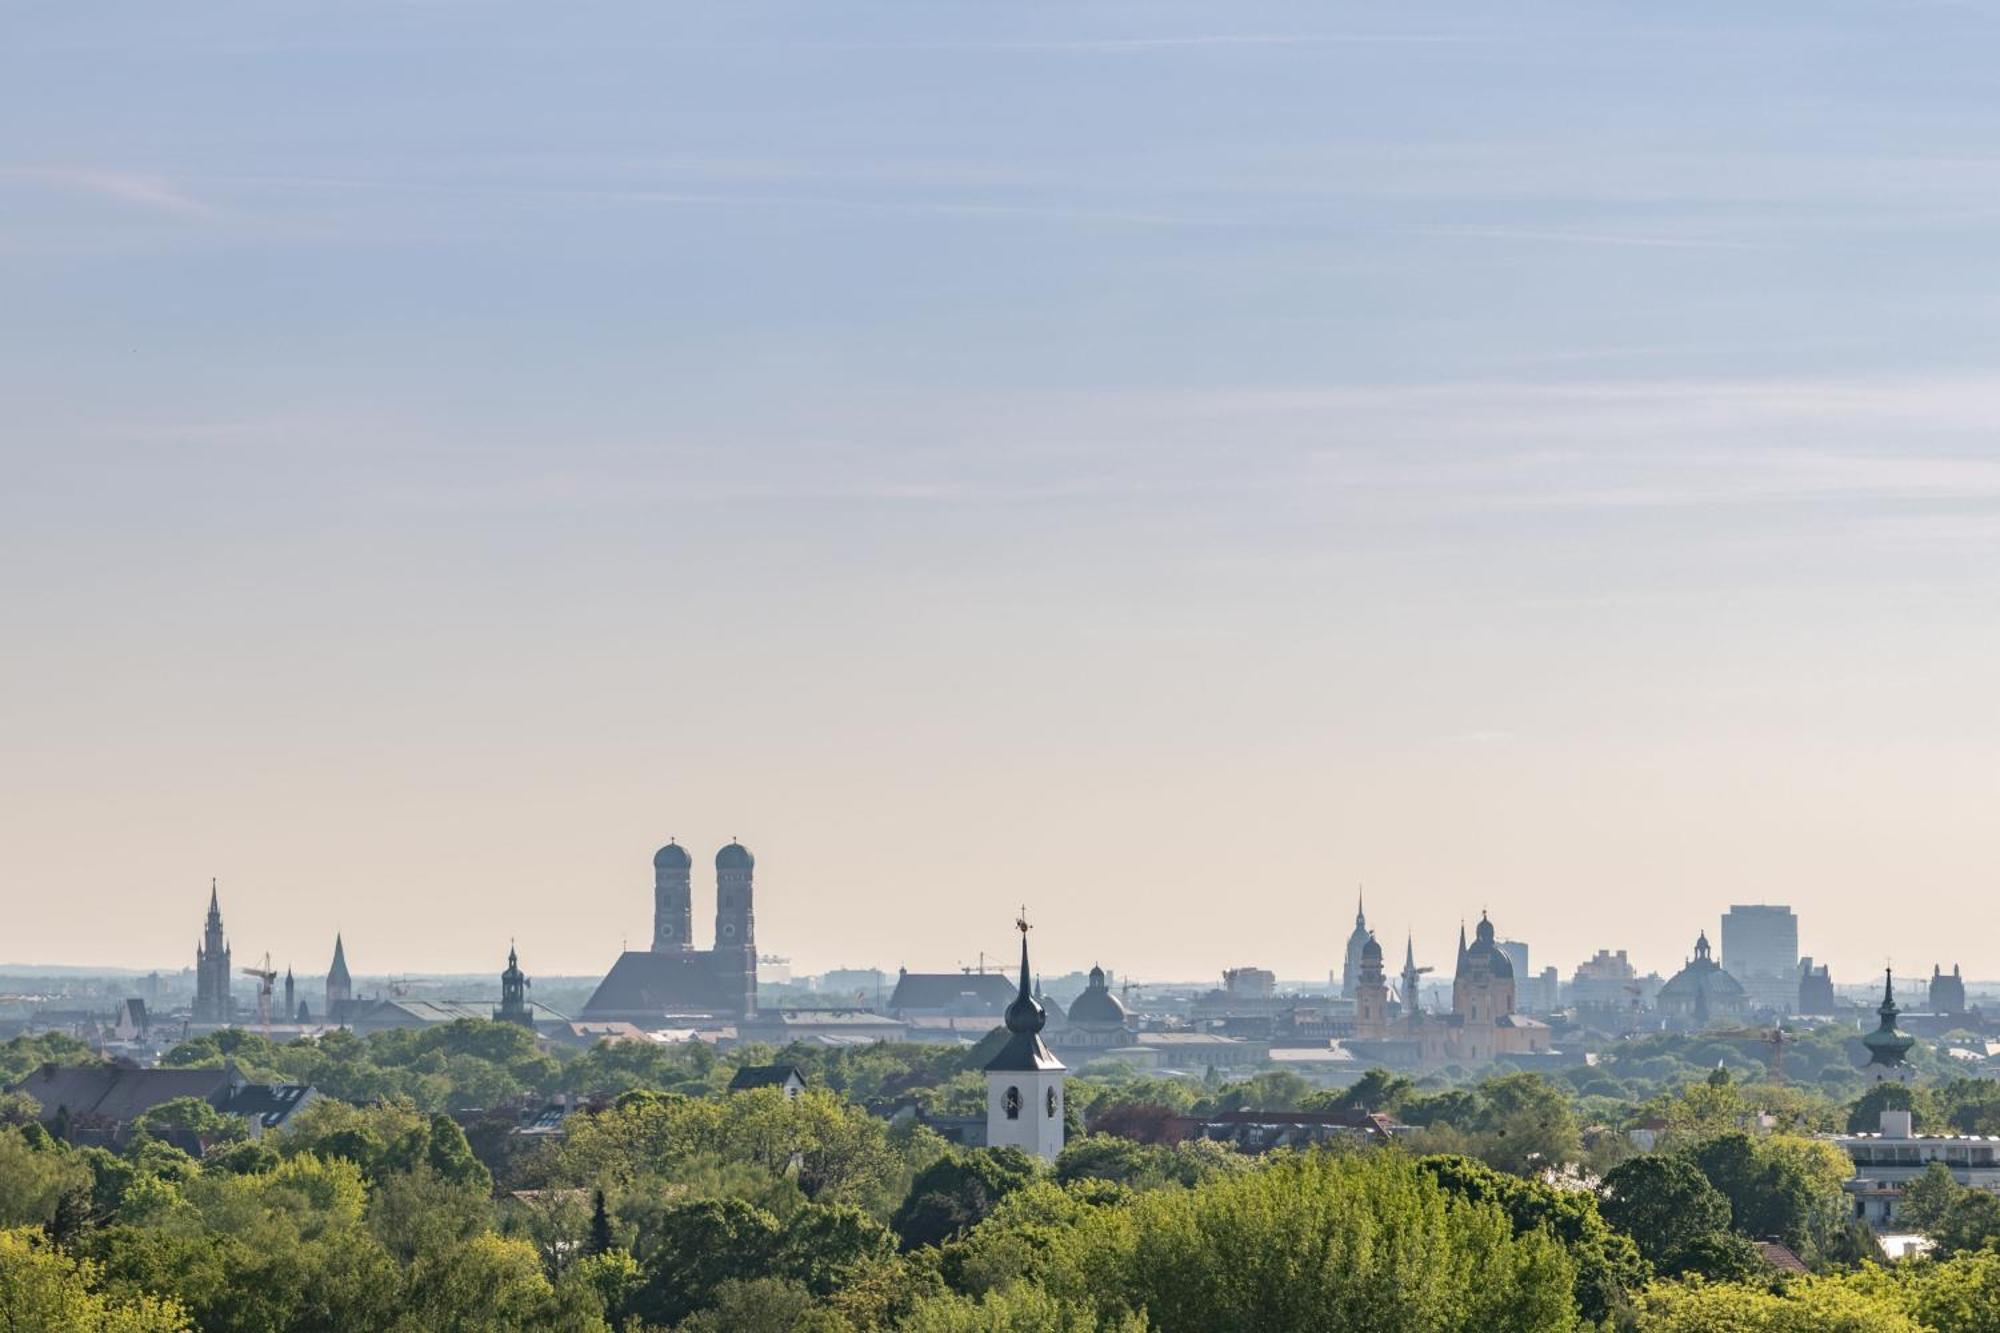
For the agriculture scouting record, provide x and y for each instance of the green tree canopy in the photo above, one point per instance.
(1667, 1206)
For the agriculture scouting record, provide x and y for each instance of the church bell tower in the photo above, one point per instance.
(1024, 1082)
(673, 900)
(736, 924)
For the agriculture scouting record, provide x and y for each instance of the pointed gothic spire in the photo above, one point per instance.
(1360, 917)
(1409, 952)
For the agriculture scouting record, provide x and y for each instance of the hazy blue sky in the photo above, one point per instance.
(1165, 462)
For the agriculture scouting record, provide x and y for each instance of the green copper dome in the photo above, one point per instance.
(1886, 1046)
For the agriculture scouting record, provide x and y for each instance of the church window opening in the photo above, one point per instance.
(1011, 1103)
(1052, 1103)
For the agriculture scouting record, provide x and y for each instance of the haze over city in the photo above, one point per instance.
(1171, 464)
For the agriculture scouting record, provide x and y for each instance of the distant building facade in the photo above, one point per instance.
(1887, 1161)
(1483, 1024)
(1760, 949)
(99, 1103)
(950, 995)
(1534, 992)
(1815, 988)
(673, 978)
(1608, 993)
(1947, 991)
(1254, 983)
(213, 1002)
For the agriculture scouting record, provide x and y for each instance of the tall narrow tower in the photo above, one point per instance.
(291, 996)
(1413, 980)
(514, 994)
(1024, 1082)
(736, 925)
(673, 900)
(339, 986)
(212, 1001)
(1350, 970)
(1371, 994)
(1888, 1049)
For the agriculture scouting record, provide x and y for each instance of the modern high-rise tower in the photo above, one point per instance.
(1760, 948)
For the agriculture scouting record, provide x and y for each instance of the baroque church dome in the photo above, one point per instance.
(673, 856)
(1702, 986)
(734, 857)
(1097, 1005)
(1482, 946)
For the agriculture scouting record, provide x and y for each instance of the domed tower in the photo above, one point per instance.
(736, 924)
(673, 899)
(1371, 993)
(1483, 990)
(1350, 969)
(1097, 1017)
(1888, 1049)
(1024, 1082)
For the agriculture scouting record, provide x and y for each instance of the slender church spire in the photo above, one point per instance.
(1024, 1080)
(1025, 1015)
(339, 985)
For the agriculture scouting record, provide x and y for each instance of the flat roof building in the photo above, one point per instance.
(1760, 948)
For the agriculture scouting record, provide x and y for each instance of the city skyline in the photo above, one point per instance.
(1164, 463)
(1330, 975)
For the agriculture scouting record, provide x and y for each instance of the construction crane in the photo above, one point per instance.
(265, 975)
(1776, 1038)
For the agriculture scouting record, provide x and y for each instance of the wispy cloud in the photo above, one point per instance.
(140, 190)
(1113, 45)
(1554, 236)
